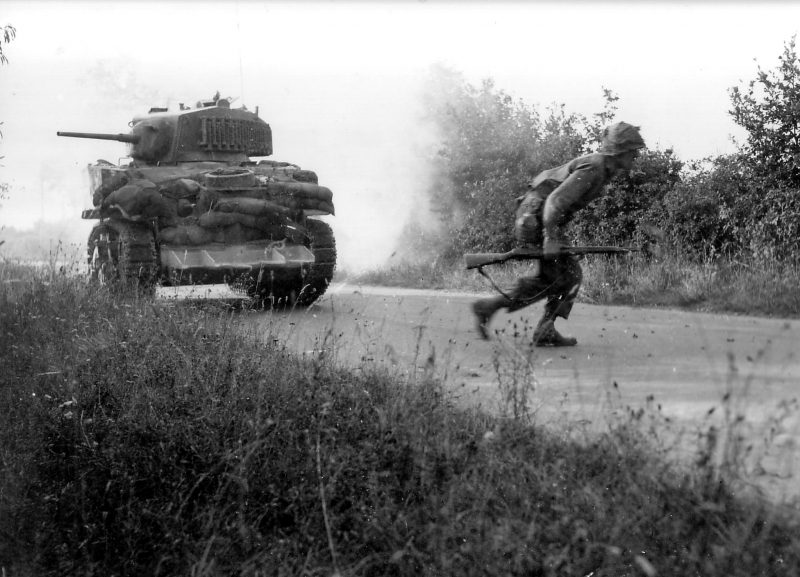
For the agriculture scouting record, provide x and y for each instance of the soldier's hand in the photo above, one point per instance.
(552, 246)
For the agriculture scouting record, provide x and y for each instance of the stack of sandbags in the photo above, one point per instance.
(114, 181)
(195, 234)
(271, 226)
(139, 199)
(225, 227)
(288, 194)
(301, 195)
(233, 205)
(185, 193)
(229, 217)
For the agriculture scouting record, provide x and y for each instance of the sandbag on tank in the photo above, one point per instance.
(300, 189)
(140, 199)
(266, 223)
(253, 206)
(321, 205)
(237, 234)
(114, 181)
(187, 235)
(206, 199)
(181, 188)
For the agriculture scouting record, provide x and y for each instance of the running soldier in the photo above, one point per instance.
(543, 212)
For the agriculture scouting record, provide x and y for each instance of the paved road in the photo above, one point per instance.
(672, 364)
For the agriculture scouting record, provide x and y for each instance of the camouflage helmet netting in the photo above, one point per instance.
(621, 137)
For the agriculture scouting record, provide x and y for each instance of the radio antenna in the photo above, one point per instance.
(239, 46)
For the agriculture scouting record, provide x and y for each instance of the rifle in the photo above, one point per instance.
(478, 260)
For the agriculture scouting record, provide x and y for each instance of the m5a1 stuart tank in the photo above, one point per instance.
(195, 205)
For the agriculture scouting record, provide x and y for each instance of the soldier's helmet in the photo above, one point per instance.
(621, 137)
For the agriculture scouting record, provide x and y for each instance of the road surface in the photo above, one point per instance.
(685, 371)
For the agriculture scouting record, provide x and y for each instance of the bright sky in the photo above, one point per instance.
(339, 83)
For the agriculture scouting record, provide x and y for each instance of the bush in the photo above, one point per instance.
(775, 233)
(632, 204)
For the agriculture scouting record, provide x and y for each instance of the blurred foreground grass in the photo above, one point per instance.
(144, 438)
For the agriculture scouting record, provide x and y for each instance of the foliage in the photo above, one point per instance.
(724, 207)
(3, 191)
(491, 146)
(8, 34)
(140, 438)
(769, 110)
(776, 232)
(709, 211)
(767, 217)
(631, 208)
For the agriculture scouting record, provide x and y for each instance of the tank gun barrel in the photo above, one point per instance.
(129, 138)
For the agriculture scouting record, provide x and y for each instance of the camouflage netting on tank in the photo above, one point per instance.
(231, 205)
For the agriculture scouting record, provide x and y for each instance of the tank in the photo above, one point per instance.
(198, 203)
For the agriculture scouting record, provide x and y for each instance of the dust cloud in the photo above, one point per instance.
(365, 137)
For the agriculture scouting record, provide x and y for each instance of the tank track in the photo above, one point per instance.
(123, 253)
(318, 276)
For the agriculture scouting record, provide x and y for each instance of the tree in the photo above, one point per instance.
(768, 216)
(9, 32)
(769, 110)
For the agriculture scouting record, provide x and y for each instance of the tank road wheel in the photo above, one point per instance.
(123, 254)
(318, 276)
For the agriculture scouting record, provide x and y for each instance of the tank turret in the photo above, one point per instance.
(214, 132)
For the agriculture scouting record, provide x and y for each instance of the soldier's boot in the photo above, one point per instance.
(546, 335)
(484, 310)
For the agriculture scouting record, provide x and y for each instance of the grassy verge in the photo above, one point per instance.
(139, 438)
(744, 286)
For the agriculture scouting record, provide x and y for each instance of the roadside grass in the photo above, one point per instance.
(147, 438)
(744, 286)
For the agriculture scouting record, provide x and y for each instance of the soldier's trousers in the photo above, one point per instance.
(556, 280)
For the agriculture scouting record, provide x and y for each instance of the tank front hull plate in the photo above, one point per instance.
(235, 257)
